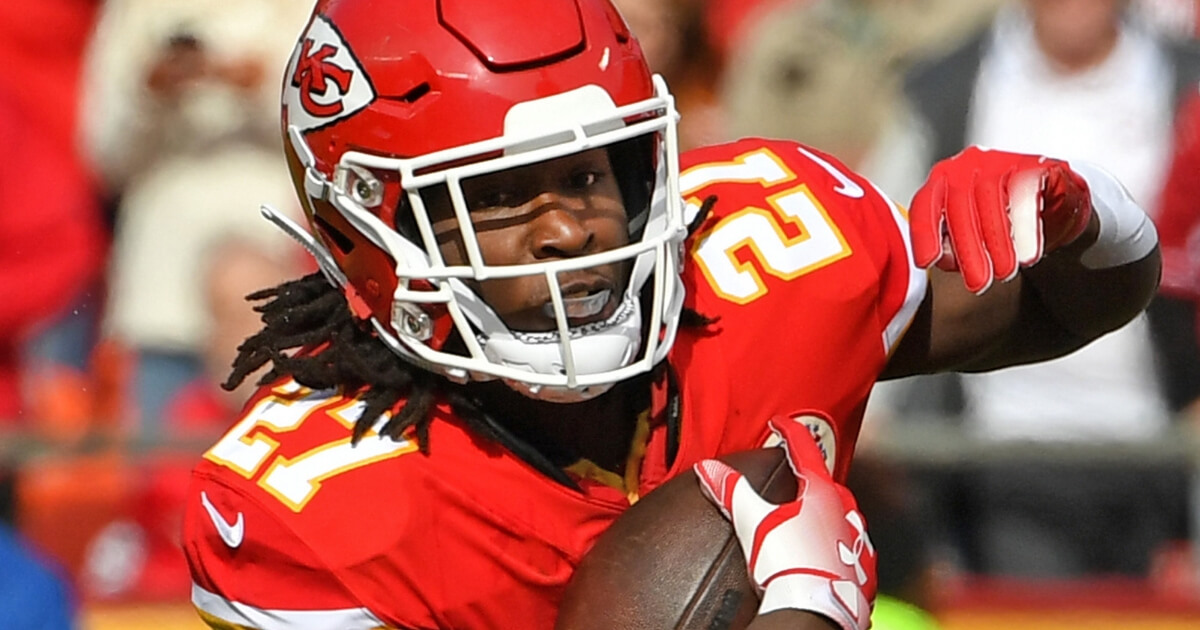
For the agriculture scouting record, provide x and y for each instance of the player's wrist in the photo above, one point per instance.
(1124, 233)
(841, 601)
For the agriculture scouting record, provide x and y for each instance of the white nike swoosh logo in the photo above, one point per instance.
(845, 185)
(231, 533)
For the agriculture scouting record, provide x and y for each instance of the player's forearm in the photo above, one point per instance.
(1047, 311)
(1089, 303)
(1109, 274)
(1073, 295)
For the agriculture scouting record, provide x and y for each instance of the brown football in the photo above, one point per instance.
(672, 561)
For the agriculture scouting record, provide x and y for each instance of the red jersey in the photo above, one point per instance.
(806, 270)
(1178, 219)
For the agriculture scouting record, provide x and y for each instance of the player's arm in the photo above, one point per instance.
(1034, 258)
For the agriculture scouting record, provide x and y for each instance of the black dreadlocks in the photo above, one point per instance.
(310, 334)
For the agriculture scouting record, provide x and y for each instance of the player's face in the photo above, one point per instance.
(553, 210)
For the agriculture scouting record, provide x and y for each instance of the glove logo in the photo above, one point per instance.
(325, 82)
(851, 555)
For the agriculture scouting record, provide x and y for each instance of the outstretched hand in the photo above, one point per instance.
(809, 554)
(987, 213)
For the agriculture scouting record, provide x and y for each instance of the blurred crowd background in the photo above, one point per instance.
(142, 137)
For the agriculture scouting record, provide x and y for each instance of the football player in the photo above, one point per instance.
(531, 312)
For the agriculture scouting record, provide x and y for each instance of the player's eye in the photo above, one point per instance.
(581, 180)
(493, 198)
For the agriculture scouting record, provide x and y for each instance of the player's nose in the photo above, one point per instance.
(560, 228)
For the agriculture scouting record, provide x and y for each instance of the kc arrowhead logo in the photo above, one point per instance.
(325, 82)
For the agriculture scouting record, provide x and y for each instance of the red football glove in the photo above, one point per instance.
(987, 213)
(809, 554)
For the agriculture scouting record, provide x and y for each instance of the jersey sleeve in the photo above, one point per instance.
(786, 212)
(276, 530)
(251, 571)
(902, 283)
(290, 524)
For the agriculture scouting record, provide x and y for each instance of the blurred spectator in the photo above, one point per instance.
(1174, 18)
(8, 492)
(110, 522)
(1080, 80)
(232, 269)
(136, 554)
(1179, 235)
(828, 72)
(181, 119)
(678, 45)
(52, 234)
(1178, 308)
(729, 21)
(660, 26)
(34, 594)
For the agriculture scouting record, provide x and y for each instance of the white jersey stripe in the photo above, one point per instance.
(243, 615)
(918, 281)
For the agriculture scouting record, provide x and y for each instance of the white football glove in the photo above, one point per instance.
(809, 554)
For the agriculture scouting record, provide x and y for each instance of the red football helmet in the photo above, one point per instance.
(385, 99)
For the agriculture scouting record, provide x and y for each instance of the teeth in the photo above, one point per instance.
(580, 307)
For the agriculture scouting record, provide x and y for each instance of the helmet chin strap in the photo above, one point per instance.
(556, 394)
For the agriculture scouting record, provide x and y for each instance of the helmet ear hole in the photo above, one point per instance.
(406, 221)
(342, 242)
